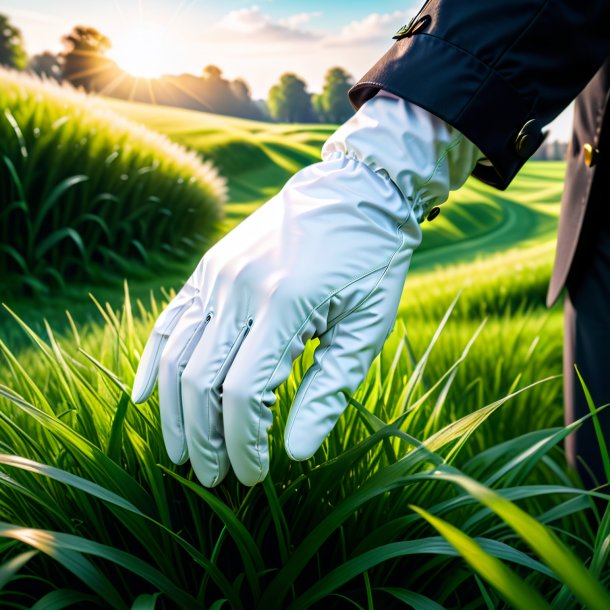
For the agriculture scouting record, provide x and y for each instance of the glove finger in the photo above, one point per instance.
(341, 361)
(174, 359)
(148, 366)
(201, 385)
(261, 365)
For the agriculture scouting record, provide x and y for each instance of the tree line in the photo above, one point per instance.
(83, 63)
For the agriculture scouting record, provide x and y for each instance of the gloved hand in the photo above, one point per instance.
(326, 257)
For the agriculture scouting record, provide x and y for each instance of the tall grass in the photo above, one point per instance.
(410, 501)
(85, 193)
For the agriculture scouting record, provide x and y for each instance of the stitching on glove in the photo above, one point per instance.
(385, 267)
(241, 335)
(354, 309)
(203, 323)
(457, 140)
(320, 362)
(382, 173)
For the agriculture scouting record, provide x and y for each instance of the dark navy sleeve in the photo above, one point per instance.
(497, 71)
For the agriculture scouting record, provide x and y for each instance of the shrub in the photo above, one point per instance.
(85, 193)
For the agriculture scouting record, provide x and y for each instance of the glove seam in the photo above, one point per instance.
(240, 335)
(454, 143)
(335, 326)
(320, 362)
(385, 267)
(203, 324)
(287, 346)
(382, 173)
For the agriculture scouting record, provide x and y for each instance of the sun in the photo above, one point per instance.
(144, 50)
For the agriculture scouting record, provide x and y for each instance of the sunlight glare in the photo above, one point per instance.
(144, 50)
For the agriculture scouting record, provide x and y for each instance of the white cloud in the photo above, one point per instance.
(253, 26)
(295, 22)
(374, 28)
(250, 44)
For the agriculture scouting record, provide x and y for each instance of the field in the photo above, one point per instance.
(443, 485)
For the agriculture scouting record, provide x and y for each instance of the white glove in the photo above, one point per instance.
(326, 257)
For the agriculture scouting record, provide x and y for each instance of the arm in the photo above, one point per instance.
(326, 257)
(496, 71)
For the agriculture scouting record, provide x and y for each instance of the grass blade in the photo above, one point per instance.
(601, 440)
(10, 568)
(145, 602)
(501, 577)
(69, 550)
(116, 431)
(417, 601)
(250, 555)
(541, 539)
(64, 598)
(70, 558)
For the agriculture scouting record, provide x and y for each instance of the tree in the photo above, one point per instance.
(212, 73)
(241, 90)
(86, 39)
(46, 64)
(84, 61)
(289, 101)
(318, 108)
(333, 103)
(12, 49)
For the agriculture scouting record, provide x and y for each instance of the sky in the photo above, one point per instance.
(256, 42)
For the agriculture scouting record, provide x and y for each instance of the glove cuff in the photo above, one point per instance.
(422, 155)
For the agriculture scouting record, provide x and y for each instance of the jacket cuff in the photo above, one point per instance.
(411, 69)
(422, 155)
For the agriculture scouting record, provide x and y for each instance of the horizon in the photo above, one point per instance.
(243, 39)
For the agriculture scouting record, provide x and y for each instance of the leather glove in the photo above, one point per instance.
(326, 257)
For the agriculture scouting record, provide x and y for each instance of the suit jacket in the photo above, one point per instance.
(498, 72)
(587, 187)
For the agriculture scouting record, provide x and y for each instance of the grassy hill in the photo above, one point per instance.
(257, 158)
(87, 196)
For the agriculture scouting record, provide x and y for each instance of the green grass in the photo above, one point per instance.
(444, 483)
(87, 196)
(368, 517)
(258, 158)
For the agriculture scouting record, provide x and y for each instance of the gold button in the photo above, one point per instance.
(590, 155)
(529, 139)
